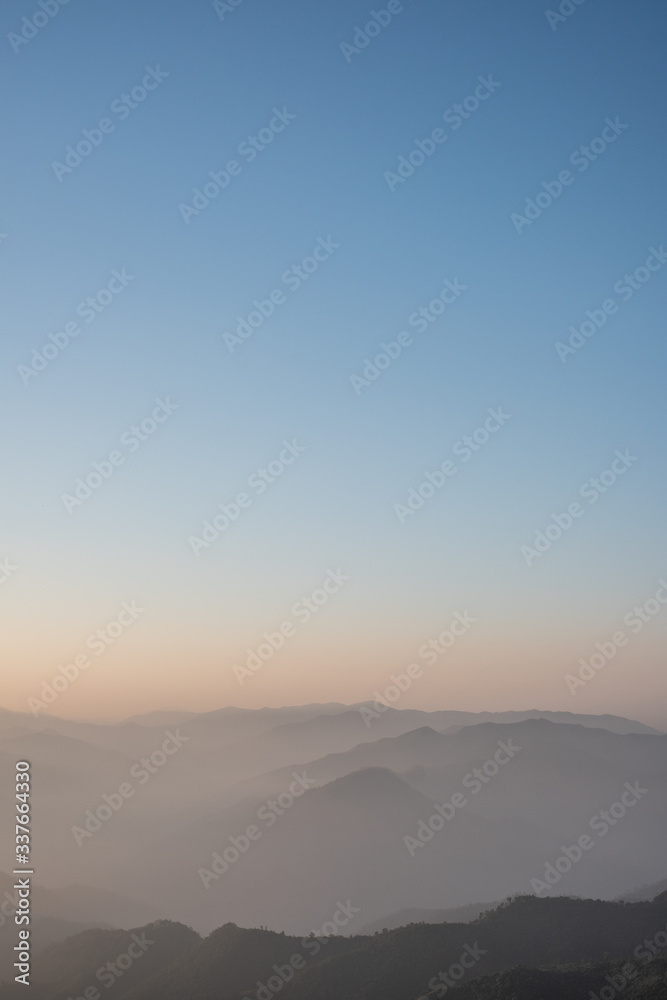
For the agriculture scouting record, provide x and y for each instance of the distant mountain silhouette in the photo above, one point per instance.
(366, 789)
(401, 918)
(645, 892)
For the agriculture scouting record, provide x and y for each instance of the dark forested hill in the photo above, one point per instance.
(111, 962)
(525, 949)
(648, 983)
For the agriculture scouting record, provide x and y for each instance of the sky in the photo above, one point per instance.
(348, 210)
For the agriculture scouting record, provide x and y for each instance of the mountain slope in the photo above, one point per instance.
(116, 960)
(519, 950)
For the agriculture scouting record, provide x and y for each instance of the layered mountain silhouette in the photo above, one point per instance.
(525, 949)
(339, 809)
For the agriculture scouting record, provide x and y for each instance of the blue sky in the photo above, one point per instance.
(323, 177)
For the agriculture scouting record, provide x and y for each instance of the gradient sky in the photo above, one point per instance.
(323, 176)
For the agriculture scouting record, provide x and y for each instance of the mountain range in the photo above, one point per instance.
(240, 807)
(524, 949)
